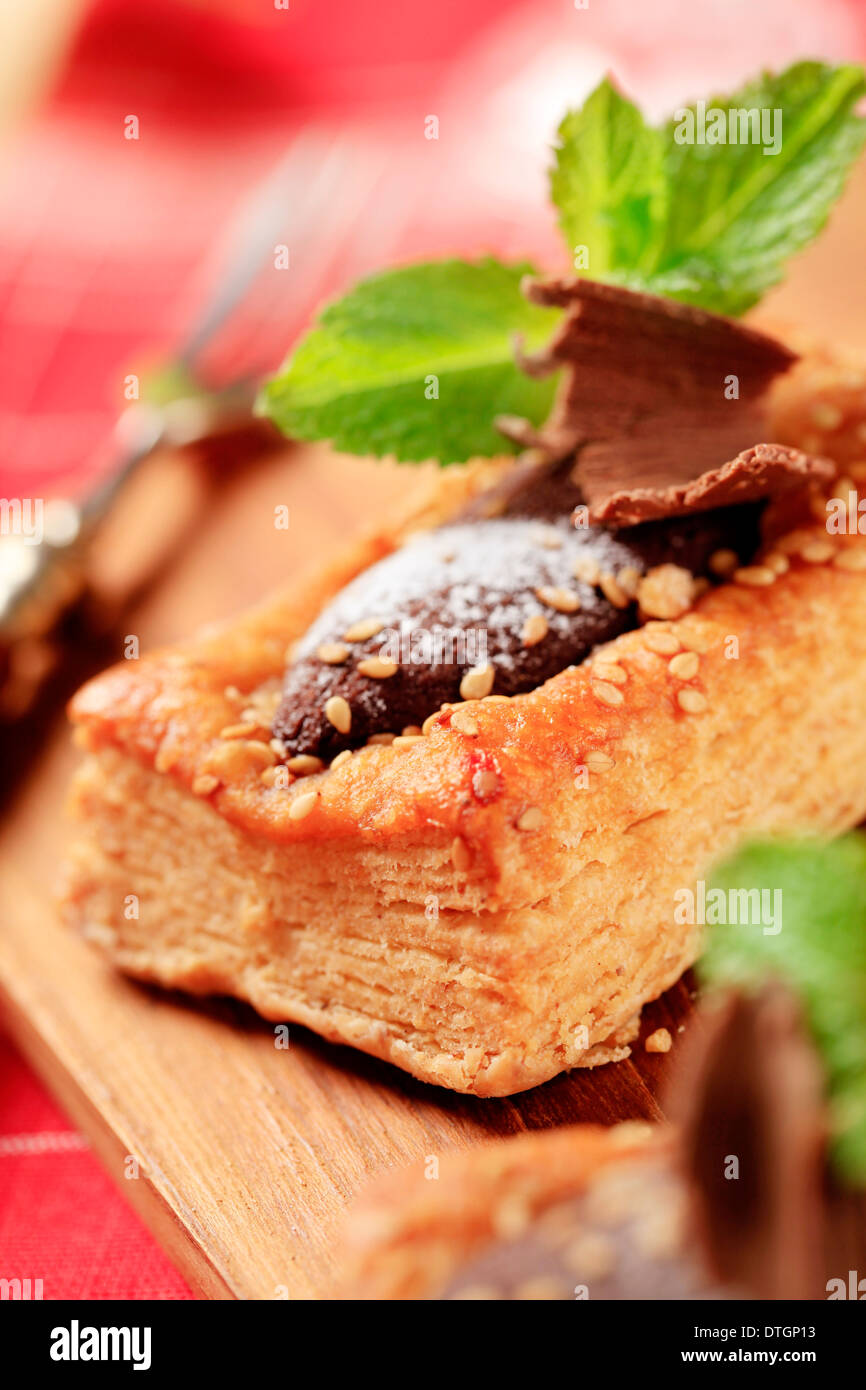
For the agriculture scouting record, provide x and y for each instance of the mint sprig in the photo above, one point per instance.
(708, 223)
(417, 363)
(820, 952)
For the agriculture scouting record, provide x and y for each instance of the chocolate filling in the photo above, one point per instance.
(477, 593)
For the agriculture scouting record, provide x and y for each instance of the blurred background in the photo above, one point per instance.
(149, 153)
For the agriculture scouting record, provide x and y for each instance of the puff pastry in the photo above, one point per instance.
(481, 944)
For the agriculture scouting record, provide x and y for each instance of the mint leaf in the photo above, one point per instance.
(711, 224)
(609, 183)
(364, 376)
(820, 952)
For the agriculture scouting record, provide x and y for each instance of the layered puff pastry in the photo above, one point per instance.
(490, 902)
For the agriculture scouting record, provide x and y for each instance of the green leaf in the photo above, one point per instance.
(609, 182)
(820, 952)
(711, 224)
(365, 375)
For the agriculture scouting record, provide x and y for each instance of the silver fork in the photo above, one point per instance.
(311, 203)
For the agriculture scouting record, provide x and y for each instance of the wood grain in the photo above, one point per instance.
(248, 1155)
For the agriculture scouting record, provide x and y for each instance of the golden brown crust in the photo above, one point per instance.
(552, 920)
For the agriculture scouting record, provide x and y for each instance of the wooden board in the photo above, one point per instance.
(249, 1156)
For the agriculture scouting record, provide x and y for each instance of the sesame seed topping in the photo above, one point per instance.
(628, 579)
(412, 731)
(269, 776)
(667, 591)
(684, 666)
(304, 765)
(547, 537)
(586, 569)
(563, 600)
(754, 576)
(205, 784)
(660, 640)
(691, 701)
(384, 739)
(609, 671)
(338, 713)
(430, 721)
(363, 630)
(341, 758)
(724, 562)
(377, 668)
(531, 819)
(608, 694)
(407, 740)
(659, 1041)
(477, 683)
(613, 591)
(238, 730)
(332, 653)
(854, 560)
(535, 630)
(817, 552)
(597, 761)
(485, 783)
(277, 746)
(460, 856)
(464, 723)
(777, 562)
(302, 805)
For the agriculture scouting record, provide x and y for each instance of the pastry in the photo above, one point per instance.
(449, 826)
(757, 1188)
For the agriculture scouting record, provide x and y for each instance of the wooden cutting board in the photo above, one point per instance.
(242, 1159)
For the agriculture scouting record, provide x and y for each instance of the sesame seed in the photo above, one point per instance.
(277, 746)
(238, 730)
(460, 856)
(609, 671)
(547, 537)
(377, 668)
(534, 630)
(660, 640)
(531, 819)
(613, 591)
(332, 653)
(563, 600)
(363, 630)
(817, 552)
(659, 1041)
(269, 776)
(464, 723)
(598, 761)
(691, 701)
(666, 591)
(608, 694)
(485, 783)
(412, 731)
(430, 721)
(777, 562)
(754, 576)
(385, 739)
(794, 541)
(302, 805)
(341, 758)
(234, 695)
(477, 683)
(684, 666)
(628, 579)
(496, 699)
(853, 560)
(304, 765)
(541, 1288)
(338, 713)
(407, 740)
(586, 568)
(724, 562)
(205, 784)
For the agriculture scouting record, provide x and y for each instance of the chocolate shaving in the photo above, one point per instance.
(647, 404)
(749, 1092)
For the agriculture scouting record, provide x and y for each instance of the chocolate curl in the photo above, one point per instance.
(643, 403)
(749, 1088)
